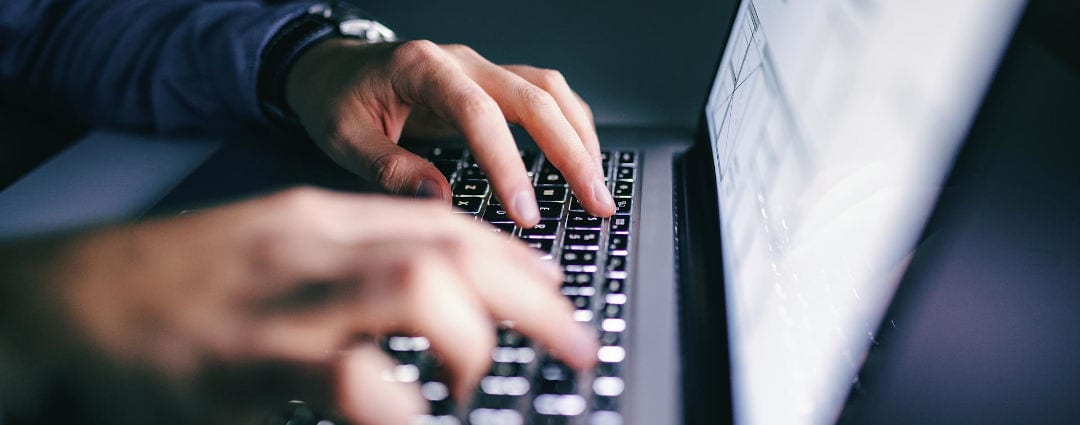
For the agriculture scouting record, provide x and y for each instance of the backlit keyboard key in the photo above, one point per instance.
(542, 245)
(550, 178)
(617, 244)
(577, 280)
(582, 239)
(550, 210)
(623, 189)
(551, 193)
(472, 173)
(581, 220)
(616, 264)
(545, 229)
(468, 205)
(578, 260)
(505, 229)
(471, 188)
(496, 214)
(620, 224)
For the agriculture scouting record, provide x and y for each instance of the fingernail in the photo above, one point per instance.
(428, 189)
(525, 206)
(601, 195)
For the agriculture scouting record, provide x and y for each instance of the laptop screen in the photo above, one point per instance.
(833, 124)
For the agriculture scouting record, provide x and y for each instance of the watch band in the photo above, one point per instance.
(280, 54)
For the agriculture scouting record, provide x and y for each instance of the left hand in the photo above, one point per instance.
(357, 99)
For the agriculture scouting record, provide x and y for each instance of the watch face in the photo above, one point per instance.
(350, 23)
(365, 29)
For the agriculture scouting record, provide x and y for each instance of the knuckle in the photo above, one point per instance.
(400, 271)
(587, 108)
(460, 49)
(270, 254)
(537, 98)
(298, 199)
(551, 78)
(388, 169)
(456, 242)
(416, 50)
(411, 274)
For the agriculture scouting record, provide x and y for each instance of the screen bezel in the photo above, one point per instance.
(707, 384)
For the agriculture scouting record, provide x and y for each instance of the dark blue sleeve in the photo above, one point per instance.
(166, 66)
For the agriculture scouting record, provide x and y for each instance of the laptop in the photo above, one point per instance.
(749, 265)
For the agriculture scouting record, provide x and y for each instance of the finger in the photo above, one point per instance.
(529, 300)
(540, 114)
(526, 296)
(576, 110)
(413, 221)
(588, 110)
(437, 304)
(404, 287)
(384, 219)
(369, 153)
(367, 392)
(541, 313)
(440, 85)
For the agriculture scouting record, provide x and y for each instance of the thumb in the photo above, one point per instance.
(371, 154)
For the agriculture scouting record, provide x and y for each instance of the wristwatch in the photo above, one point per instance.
(319, 22)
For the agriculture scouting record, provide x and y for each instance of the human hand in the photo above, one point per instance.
(225, 314)
(356, 100)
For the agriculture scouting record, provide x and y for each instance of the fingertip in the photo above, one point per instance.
(580, 352)
(463, 392)
(525, 208)
(368, 392)
(604, 204)
(430, 188)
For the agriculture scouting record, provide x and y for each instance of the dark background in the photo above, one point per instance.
(636, 62)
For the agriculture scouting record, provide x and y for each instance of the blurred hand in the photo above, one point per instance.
(356, 100)
(223, 315)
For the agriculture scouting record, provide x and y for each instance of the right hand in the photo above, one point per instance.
(356, 100)
(229, 312)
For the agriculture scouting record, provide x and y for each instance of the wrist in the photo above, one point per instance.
(292, 41)
(278, 58)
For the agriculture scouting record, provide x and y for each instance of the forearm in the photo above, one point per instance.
(152, 65)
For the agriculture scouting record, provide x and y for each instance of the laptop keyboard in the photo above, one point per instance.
(525, 385)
